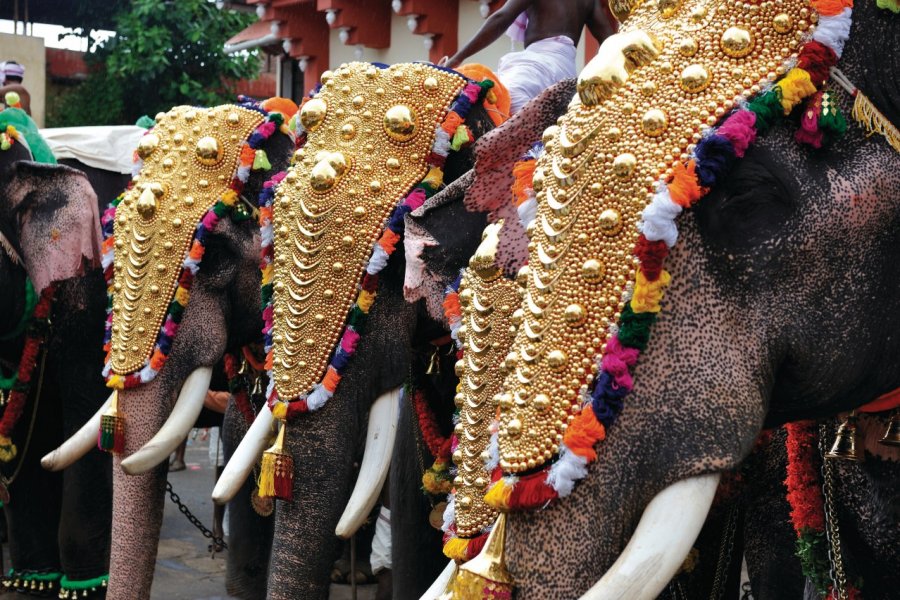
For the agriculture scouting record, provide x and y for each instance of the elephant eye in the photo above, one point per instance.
(752, 206)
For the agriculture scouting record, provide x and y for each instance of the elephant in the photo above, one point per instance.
(223, 313)
(789, 253)
(324, 443)
(59, 523)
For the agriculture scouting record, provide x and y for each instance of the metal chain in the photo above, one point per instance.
(8, 481)
(832, 529)
(194, 520)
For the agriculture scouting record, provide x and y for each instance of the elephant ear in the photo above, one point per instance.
(59, 225)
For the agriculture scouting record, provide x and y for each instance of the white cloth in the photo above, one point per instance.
(380, 559)
(516, 31)
(216, 452)
(109, 148)
(529, 72)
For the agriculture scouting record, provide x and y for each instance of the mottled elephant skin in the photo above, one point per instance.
(58, 522)
(325, 443)
(783, 306)
(223, 312)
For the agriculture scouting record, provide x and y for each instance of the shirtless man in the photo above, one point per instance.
(13, 73)
(551, 28)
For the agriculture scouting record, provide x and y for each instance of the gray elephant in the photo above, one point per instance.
(777, 275)
(59, 524)
(224, 155)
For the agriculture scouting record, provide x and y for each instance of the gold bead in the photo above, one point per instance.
(430, 84)
(557, 359)
(613, 134)
(624, 165)
(737, 42)
(610, 222)
(392, 163)
(574, 314)
(313, 112)
(233, 119)
(374, 186)
(514, 427)
(687, 46)
(694, 78)
(541, 402)
(783, 23)
(348, 131)
(322, 177)
(147, 145)
(667, 8)
(654, 122)
(400, 122)
(359, 212)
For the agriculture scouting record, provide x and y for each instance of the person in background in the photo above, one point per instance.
(12, 74)
(550, 29)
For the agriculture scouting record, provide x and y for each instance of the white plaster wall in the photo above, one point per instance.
(29, 51)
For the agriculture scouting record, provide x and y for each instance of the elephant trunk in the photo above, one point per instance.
(137, 499)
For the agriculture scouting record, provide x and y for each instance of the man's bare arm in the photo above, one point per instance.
(599, 24)
(493, 28)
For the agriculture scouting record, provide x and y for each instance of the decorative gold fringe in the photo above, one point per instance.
(485, 576)
(873, 121)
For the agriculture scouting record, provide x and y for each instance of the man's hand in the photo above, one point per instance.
(443, 62)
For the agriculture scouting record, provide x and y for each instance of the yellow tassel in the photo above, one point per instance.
(456, 548)
(276, 473)
(865, 113)
(648, 294)
(279, 411)
(365, 301)
(498, 495)
(485, 576)
(266, 481)
(795, 86)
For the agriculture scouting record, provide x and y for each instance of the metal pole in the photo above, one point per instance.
(353, 566)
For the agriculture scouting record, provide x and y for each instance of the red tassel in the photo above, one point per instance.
(531, 492)
(276, 474)
(111, 437)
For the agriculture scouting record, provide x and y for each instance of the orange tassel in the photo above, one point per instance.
(684, 188)
(583, 433)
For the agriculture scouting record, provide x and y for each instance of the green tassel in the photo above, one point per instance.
(768, 109)
(461, 138)
(831, 120)
(261, 161)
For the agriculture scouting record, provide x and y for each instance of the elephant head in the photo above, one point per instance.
(182, 232)
(775, 275)
(377, 144)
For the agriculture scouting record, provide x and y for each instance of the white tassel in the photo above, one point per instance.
(378, 261)
(566, 471)
(318, 397)
(528, 210)
(493, 453)
(659, 218)
(449, 512)
(834, 31)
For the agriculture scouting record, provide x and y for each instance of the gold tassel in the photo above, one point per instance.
(276, 474)
(485, 576)
(873, 121)
(111, 437)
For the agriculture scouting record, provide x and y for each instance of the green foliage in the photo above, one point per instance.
(164, 53)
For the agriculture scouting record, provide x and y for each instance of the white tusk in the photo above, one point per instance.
(376, 461)
(667, 530)
(81, 442)
(245, 456)
(440, 585)
(176, 428)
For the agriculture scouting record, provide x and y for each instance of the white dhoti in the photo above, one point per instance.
(380, 558)
(529, 72)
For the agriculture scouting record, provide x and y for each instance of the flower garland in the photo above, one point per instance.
(37, 333)
(804, 494)
(236, 388)
(251, 157)
(436, 479)
(451, 134)
(712, 158)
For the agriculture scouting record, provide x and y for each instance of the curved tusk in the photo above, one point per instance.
(239, 466)
(667, 530)
(440, 584)
(82, 441)
(176, 428)
(376, 461)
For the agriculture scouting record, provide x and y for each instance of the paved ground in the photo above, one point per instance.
(184, 569)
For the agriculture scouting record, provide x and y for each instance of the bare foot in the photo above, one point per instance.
(177, 465)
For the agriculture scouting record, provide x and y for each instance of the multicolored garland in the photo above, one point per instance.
(436, 480)
(712, 158)
(37, 332)
(451, 134)
(804, 494)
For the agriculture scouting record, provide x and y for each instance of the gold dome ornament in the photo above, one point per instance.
(737, 42)
(146, 204)
(400, 123)
(209, 151)
(313, 113)
(147, 145)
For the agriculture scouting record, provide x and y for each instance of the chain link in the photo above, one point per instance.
(194, 520)
(726, 552)
(832, 529)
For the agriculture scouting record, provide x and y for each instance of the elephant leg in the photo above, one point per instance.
(417, 558)
(33, 510)
(86, 517)
(250, 534)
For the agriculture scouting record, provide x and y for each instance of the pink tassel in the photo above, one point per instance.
(415, 199)
(809, 132)
(349, 341)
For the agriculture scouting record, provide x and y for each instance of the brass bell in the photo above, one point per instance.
(892, 435)
(844, 446)
(243, 368)
(257, 387)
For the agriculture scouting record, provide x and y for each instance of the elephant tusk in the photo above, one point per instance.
(239, 466)
(81, 442)
(440, 585)
(176, 428)
(667, 530)
(382, 432)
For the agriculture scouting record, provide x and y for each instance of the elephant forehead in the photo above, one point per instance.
(190, 159)
(370, 131)
(673, 70)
